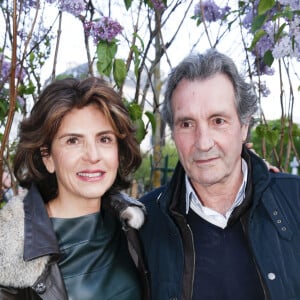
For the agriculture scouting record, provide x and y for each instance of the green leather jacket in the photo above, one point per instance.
(29, 252)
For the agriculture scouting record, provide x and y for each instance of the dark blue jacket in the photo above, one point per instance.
(271, 222)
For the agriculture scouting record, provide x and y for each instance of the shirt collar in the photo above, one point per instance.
(192, 200)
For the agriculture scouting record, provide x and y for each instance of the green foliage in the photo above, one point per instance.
(106, 53)
(272, 137)
(119, 72)
(265, 5)
(168, 163)
(136, 115)
(127, 3)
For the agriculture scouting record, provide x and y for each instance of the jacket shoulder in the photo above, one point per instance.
(152, 196)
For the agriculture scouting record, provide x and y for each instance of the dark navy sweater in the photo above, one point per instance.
(224, 268)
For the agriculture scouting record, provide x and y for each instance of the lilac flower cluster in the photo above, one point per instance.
(265, 43)
(27, 4)
(104, 30)
(294, 4)
(5, 69)
(74, 7)
(211, 11)
(4, 75)
(289, 43)
(263, 89)
(158, 4)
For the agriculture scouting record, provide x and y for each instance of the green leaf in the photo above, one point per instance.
(268, 58)
(258, 22)
(272, 137)
(135, 111)
(261, 130)
(279, 32)
(119, 71)
(106, 53)
(104, 69)
(258, 35)
(136, 59)
(3, 109)
(127, 3)
(140, 130)
(151, 118)
(31, 57)
(265, 5)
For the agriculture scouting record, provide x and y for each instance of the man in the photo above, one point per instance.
(224, 227)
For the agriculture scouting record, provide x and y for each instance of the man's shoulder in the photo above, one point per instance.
(284, 177)
(289, 183)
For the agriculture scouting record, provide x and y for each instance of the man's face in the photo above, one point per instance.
(207, 131)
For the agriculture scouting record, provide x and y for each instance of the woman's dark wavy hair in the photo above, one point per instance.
(36, 133)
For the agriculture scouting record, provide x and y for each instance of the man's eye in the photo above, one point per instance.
(219, 121)
(186, 124)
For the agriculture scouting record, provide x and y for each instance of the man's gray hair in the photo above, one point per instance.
(203, 66)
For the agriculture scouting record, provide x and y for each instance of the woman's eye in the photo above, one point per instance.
(72, 140)
(107, 139)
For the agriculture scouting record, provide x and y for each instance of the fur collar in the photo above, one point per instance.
(15, 272)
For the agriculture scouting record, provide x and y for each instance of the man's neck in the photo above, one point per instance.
(221, 196)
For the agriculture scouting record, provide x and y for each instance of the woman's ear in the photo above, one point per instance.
(47, 159)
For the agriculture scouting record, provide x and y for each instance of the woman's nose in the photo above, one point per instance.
(92, 152)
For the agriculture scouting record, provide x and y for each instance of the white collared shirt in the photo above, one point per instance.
(208, 214)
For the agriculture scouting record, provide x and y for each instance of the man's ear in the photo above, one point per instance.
(47, 159)
(245, 131)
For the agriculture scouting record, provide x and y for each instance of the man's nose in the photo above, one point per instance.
(203, 138)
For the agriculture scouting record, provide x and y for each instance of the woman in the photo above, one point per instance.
(64, 240)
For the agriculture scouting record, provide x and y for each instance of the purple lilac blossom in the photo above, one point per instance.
(104, 30)
(283, 47)
(158, 4)
(266, 42)
(294, 4)
(21, 101)
(211, 11)
(5, 69)
(22, 34)
(262, 68)
(263, 89)
(289, 44)
(295, 34)
(252, 11)
(74, 7)
(30, 4)
(248, 19)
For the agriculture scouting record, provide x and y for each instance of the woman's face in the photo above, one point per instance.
(84, 155)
